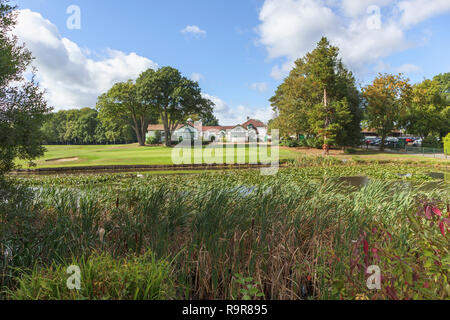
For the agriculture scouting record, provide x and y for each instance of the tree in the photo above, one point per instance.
(175, 98)
(444, 85)
(426, 113)
(387, 100)
(206, 119)
(122, 106)
(22, 103)
(319, 97)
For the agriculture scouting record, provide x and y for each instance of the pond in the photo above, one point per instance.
(441, 179)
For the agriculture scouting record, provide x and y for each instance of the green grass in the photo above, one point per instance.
(292, 233)
(101, 155)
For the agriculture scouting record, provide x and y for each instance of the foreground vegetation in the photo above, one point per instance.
(298, 235)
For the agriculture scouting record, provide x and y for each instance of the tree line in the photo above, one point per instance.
(123, 113)
(84, 126)
(320, 98)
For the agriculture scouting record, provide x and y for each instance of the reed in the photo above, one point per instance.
(287, 234)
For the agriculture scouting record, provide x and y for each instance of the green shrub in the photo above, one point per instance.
(316, 143)
(447, 144)
(102, 277)
(156, 139)
(291, 143)
(432, 142)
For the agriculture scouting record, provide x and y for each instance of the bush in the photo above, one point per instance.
(316, 143)
(432, 142)
(447, 144)
(156, 139)
(102, 277)
(291, 143)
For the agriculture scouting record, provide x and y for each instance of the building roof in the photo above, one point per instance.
(255, 123)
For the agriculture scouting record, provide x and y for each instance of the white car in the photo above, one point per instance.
(417, 143)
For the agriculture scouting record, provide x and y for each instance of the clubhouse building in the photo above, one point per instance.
(251, 130)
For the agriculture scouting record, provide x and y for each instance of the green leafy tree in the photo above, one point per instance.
(174, 97)
(426, 114)
(122, 105)
(22, 103)
(320, 98)
(387, 101)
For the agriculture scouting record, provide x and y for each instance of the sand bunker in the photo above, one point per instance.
(62, 160)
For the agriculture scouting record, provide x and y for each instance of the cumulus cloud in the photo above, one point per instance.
(416, 11)
(71, 77)
(364, 30)
(194, 30)
(259, 86)
(197, 77)
(408, 68)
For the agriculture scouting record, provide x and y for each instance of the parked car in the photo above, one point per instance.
(417, 143)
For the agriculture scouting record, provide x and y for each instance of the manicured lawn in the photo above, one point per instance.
(132, 154)
(70, 156)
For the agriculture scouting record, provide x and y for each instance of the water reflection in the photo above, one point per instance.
(441, 178)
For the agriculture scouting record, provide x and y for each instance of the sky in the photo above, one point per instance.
(238, 50)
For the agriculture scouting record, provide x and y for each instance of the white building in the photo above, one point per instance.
(251, 130)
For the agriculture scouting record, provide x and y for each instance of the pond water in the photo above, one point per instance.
(440, 177)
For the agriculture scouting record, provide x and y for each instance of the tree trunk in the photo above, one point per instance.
(382, 143)
(138, 136)
(325, 146)
(165, 122)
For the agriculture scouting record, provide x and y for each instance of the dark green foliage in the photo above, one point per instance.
(22, 103)
(317, 78)
(84, 126)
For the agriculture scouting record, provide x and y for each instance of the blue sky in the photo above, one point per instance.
(238, 50)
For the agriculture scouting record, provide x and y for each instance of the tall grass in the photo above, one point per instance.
(285, 232)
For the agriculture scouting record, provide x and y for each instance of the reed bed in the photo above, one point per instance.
(289, 236)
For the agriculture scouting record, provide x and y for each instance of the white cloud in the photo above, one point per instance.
(408, 68)
(232, 116)
(354, 8)
(259, 86)
(71, 77)
(195, 30)
(416, 11)
(291, 28)
(197, 77)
